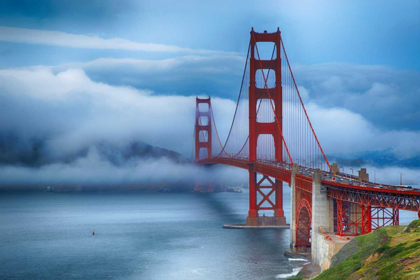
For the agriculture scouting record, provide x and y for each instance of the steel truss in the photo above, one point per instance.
(351, 219)
(377, 198)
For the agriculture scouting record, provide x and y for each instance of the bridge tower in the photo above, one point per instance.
(259, 128)
(203, 134)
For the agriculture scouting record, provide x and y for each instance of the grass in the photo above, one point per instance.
(391, 252)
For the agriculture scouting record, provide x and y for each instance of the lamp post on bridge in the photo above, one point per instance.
(351, 170)
(401, 177)
(374, 176)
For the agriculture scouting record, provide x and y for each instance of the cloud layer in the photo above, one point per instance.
(94, 170)
(387, 97)
(59, 115)
(351, 106)
(63, 39)
(71, 111)
(342, 131)
(185, 75)
(58, 111)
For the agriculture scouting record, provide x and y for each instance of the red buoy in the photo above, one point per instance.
(93, 233)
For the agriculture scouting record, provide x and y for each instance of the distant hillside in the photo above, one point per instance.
(98, 167)
(392, 252)
(376, 158)
(34, 155)
(136, 150)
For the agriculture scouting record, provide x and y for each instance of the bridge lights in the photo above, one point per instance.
(351, 170)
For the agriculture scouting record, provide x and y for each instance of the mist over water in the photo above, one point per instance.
(138, 236)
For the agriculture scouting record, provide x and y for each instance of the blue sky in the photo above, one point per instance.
(360, 32)
(74, 73)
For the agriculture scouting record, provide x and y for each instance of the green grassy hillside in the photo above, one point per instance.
(391, 252)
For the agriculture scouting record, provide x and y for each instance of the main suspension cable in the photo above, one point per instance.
(304, 109)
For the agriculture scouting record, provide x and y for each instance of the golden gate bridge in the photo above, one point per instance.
(272, 137)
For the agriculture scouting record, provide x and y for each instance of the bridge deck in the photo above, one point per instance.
(342, 186)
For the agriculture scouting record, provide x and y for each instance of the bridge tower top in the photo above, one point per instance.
(273, 94)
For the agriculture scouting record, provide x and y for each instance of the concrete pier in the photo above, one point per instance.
(328, 244)
(321, 216)
(295, 169)
(363, 175)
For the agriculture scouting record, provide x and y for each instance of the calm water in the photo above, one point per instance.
(138, 236)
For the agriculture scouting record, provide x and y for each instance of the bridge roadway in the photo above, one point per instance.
(341, 186)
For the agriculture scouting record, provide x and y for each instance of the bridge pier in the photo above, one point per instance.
(295, 169)
(252, 219)
(322, 214)
(278, 211)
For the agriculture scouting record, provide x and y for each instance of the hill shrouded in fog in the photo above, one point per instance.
(102, 166)
(34, 155)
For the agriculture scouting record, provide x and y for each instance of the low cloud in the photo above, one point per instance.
(342, 131)
(388, 98)
(56, 116)
(94, 170)
(217, 75)
(57, 112)
(63, 39)
(69, 111)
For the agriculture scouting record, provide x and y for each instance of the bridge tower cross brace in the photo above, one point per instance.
(257, 128)
(203, 130)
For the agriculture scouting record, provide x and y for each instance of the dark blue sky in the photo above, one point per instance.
(359, 32)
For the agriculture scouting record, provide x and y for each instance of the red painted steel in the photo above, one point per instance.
(256, 128)
(383, 217)
(303, 208)
(354, 219)
(366, 218)
(401, 200)
(349, 219)
(200, 129)
(303, 183)
(276, 101)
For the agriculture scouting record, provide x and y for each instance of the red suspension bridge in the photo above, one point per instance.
(272, 137)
